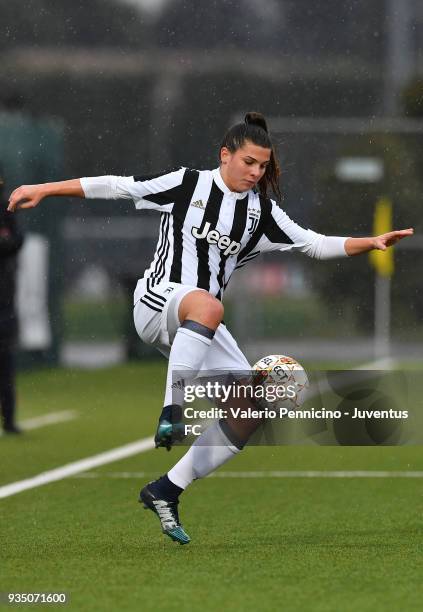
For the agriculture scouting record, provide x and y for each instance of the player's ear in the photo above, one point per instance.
(225, 155)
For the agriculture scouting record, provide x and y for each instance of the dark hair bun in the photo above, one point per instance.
(256, 119)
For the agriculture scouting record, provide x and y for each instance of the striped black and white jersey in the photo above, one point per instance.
(207, 231)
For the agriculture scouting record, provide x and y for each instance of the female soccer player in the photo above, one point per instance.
(212, 222)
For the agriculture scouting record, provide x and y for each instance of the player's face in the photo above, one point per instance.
(243, 169)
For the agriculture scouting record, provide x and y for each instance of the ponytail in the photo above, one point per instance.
(255, 130)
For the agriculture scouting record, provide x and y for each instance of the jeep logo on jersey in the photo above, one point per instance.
(224, 243)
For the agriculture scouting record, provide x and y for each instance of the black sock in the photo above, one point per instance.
(164, 488)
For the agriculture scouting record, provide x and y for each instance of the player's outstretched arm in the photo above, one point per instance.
(356, 246)
(29, 196)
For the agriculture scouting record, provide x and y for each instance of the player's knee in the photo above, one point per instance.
(203, 308)
(208, 311)
(215, 310)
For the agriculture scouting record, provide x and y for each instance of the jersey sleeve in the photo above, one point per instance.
(282, 234)
(157, 192)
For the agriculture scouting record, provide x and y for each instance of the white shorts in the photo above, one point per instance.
(156, 321)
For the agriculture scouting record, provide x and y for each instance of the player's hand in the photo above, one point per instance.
(26, 196)
(384, 241)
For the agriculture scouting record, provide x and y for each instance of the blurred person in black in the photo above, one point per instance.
(10, 242)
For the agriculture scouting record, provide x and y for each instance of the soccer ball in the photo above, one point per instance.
(284, 380)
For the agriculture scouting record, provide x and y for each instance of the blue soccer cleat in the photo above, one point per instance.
(167, 512)
(170, 428)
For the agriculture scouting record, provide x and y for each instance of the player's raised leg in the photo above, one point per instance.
(198, 316)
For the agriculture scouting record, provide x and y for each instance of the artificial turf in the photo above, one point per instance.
(257, 542)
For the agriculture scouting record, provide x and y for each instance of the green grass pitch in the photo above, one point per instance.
(318, 544)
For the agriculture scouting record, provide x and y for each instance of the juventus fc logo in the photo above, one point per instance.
(253, 225)
(253, 217)
(224, 243)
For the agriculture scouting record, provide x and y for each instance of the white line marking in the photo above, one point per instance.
(48, 419)
(82, 465)
(385, 363)
(148, 443)
(273, 474)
